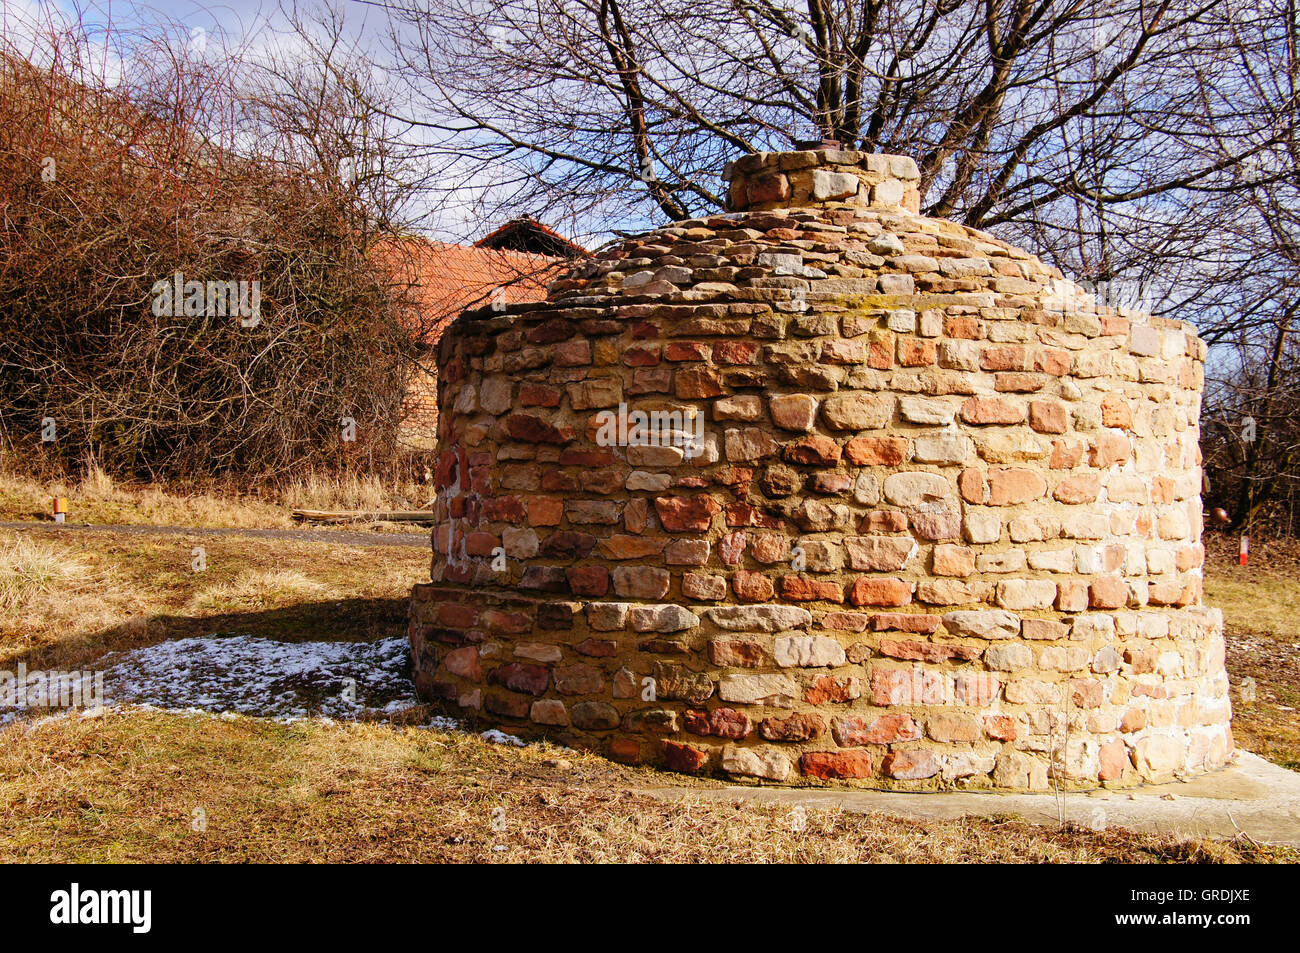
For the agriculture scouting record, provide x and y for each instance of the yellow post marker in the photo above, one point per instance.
(60, 508)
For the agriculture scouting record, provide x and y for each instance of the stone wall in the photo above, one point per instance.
(770, 180)
(942, 527)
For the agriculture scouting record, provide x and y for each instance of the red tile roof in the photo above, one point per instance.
(443, 280)
(526, 234)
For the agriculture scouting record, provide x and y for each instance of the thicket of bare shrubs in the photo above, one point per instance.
(1250, 435)
(108, 188)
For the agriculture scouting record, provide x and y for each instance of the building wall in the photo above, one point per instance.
(943, 527)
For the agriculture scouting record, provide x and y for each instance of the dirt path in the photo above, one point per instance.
(345, 537)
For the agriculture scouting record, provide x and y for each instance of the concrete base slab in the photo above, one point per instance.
(1251, 796)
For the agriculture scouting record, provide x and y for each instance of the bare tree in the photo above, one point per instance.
(186, 279)
(1035, 114)
(1252, 411)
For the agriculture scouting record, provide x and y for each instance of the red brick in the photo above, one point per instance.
(549, 332)
(745, 514)
(686, 351)
(1053, 361)
(751, 586)
(802, 589)
(876, 451)
(907, 686)
(1113, 758)
(1082, 488)
(1072, 595)
(499, 620)
(641, 356)
(1065, 456)
(544, 511)
(953, 561)
(910, 765)
(1013, 485)
(720, 723)
(680, 514)
(456, 615)
(503, 509)
(481, 544)
(603, 457)
(796, 728)
(533, 429)
(992, 410)
(1110, 449)
(965, 328)
(521, 677)
(736, 652)
(828, 688)
(881, 591)
(588, 580)
(844, 621)
(539, 395)
(1005, 357)
(816, 450)
(1000, 727)
(625, 750)
(951, 726)
(836, 765)
(1087, 692)
(1115, 412)
(883, 521)
(916, 352)
(906, 622)
(972, 486)
(734, 352)
(768, 188)
(464, 662)
(1114, 324)
(1108, 592)
(683, 758)
(914, 651)
(1046, 416)
(507, 705)
(698, 382)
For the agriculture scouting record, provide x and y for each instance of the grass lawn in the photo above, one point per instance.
(98, 499)
(1260, 603)
(135, 788)
(126, 787)
(67, 598)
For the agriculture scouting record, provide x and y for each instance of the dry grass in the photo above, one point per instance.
(96, 498)
(126, 788)
(256, 590)
(32, 571)
(1259, 604)
(76, 596)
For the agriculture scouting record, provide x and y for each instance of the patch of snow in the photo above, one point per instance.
(501, 738)
(246, 675)
(236, 675)
(443, 723)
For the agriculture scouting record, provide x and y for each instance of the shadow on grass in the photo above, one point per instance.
(341, 620)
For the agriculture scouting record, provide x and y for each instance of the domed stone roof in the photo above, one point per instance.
(824, 490)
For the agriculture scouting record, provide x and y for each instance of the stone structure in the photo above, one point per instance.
(941, 526)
